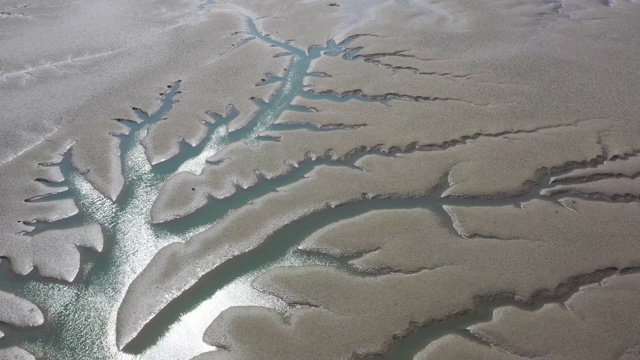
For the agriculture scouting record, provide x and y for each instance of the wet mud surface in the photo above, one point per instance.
(312, 180)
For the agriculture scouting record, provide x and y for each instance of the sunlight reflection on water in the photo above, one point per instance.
(82, 316)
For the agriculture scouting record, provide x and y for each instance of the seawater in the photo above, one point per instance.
(81, 317)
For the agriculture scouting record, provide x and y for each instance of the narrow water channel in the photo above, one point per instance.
(81, 317)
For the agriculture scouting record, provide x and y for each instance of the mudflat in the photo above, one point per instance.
(378, 179)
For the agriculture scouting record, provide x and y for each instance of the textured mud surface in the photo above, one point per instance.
(376, 179)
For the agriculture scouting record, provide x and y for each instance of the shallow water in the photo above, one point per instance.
(81, 317)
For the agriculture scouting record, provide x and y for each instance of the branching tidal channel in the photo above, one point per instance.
(81, 316)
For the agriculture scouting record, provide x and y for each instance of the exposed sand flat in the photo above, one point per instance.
(598, 322)
(564, 88)
(616, 180)
(485, 167)
(438, 119)
(523, 253)
(607, 189)
(257, 59)
(53, 253)
(465, 29)
(430, 242)
(18, 311)
(377, 245)
(457, 347)
(285, 20)
(16, 353)
(19, 210)
(343, 75)
(180, 46)
(47, 81)
(363, 169)
(178, 199)
(620, 168)
(177, 266)
(526, 66)
(76, 87)
(530, 53)
(507, 166)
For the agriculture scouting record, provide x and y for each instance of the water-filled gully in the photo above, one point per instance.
(419, 338)
(81, 315)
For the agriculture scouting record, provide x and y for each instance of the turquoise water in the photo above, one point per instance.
(81, 317)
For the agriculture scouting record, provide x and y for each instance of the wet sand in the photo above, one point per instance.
(257, 180)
